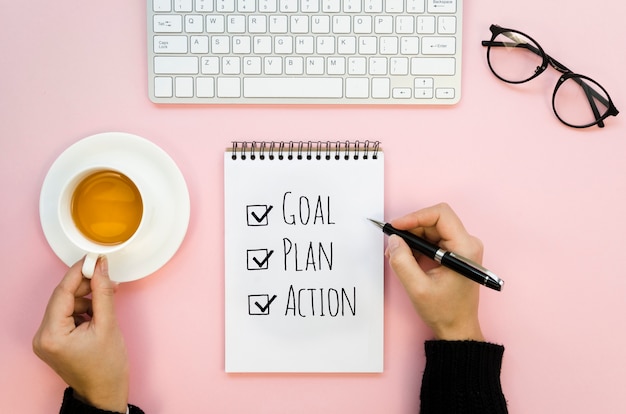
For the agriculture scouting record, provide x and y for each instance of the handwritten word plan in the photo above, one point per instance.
(303, 265)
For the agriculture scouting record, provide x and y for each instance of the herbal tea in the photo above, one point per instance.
(107, 207)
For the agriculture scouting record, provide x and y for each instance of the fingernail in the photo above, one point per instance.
(392, 244)
(104, 265)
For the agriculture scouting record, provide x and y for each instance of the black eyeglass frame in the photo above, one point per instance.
(566, 74)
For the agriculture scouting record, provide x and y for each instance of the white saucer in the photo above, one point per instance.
(166, 186)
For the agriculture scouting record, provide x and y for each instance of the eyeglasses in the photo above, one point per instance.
(578, 101)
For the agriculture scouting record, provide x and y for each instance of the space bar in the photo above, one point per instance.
(293, 87)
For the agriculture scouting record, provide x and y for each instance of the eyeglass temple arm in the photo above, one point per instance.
(590, 93)
(514, 43)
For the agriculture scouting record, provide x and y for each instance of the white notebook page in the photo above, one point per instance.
(303, 265)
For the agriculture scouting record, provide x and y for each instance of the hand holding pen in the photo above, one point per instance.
(446, 301)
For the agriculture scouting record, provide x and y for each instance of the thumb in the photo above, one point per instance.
(403, 262)
(103, 293)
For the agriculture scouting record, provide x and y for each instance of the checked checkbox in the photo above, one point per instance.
(258, 259)
(260, 304)
(257, 215)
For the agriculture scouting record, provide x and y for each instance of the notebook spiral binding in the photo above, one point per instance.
(309, 150)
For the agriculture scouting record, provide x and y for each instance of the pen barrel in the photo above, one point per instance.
(471, 270)
(416, 243)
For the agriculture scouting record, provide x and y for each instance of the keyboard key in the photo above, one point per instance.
(273, 65)
(225, 6)
(426, 24)
(331, 6)
(415, 6)
(320, 24)
(184, 65)
(294, 65)
(438, 45)
(203, 6)
(441, 6)
(210, 65)
(394, 6)
(445, 93)
(205, 87)
(246, 6)
(446, 25)
(352, 6)
(194, 23)
(401, 93)
(432, 66)
(229, 87)
(215, 24)
(357, 66)
(231, 65)
(170, 44)
(309, 6)
(336, 66)
(409, 45)
(162, 5)
(381, 88)
(267, 6)
(257, 24)
(399, 66)
(184, 87)
(373, 6)
(199, 44)
(163, 87)
(357, 88)
(167, 24)
(183, 5)
(288, 6)
(293, 87)
(378, 66)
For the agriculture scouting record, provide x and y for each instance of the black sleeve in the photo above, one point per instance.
(73, 406)
(462, 377)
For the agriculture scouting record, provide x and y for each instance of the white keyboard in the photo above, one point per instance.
(305, 51)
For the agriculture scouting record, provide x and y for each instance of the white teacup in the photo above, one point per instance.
(101, 211)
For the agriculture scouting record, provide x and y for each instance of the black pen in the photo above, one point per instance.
(459, 264)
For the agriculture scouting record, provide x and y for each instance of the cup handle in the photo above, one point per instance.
(89, 264)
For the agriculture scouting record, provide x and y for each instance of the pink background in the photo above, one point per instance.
(548, 201)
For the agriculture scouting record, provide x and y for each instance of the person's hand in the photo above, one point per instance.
(80, 339)
(446, 301)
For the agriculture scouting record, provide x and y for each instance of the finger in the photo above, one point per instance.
(61, 304)
(404, 264)
(83, 289)
(436, 223)
(82, 306)
(103, 294)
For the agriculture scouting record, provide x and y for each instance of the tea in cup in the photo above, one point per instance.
(101, 211)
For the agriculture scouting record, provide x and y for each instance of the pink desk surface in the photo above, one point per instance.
(548, 201)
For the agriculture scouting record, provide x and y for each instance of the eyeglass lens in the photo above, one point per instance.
(578, 101)
(515, 58)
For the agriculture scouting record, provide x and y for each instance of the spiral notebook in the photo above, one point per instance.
(303, 265)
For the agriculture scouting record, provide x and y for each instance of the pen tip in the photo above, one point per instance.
(378, 223)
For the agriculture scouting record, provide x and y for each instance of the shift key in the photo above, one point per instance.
(183, 65)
